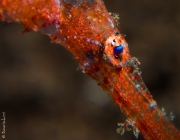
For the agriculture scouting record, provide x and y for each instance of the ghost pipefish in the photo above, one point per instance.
(86, 29)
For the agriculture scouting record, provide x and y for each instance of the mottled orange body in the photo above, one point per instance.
(88, 30)
(32, 14)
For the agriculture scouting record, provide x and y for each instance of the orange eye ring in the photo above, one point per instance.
(116, 50)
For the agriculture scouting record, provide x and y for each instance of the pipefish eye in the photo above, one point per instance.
(117, 51)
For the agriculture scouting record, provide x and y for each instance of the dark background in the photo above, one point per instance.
(45, 97)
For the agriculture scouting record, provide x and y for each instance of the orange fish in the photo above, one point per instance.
(90, 32)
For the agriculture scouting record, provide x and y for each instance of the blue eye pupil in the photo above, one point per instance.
(118, 50)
